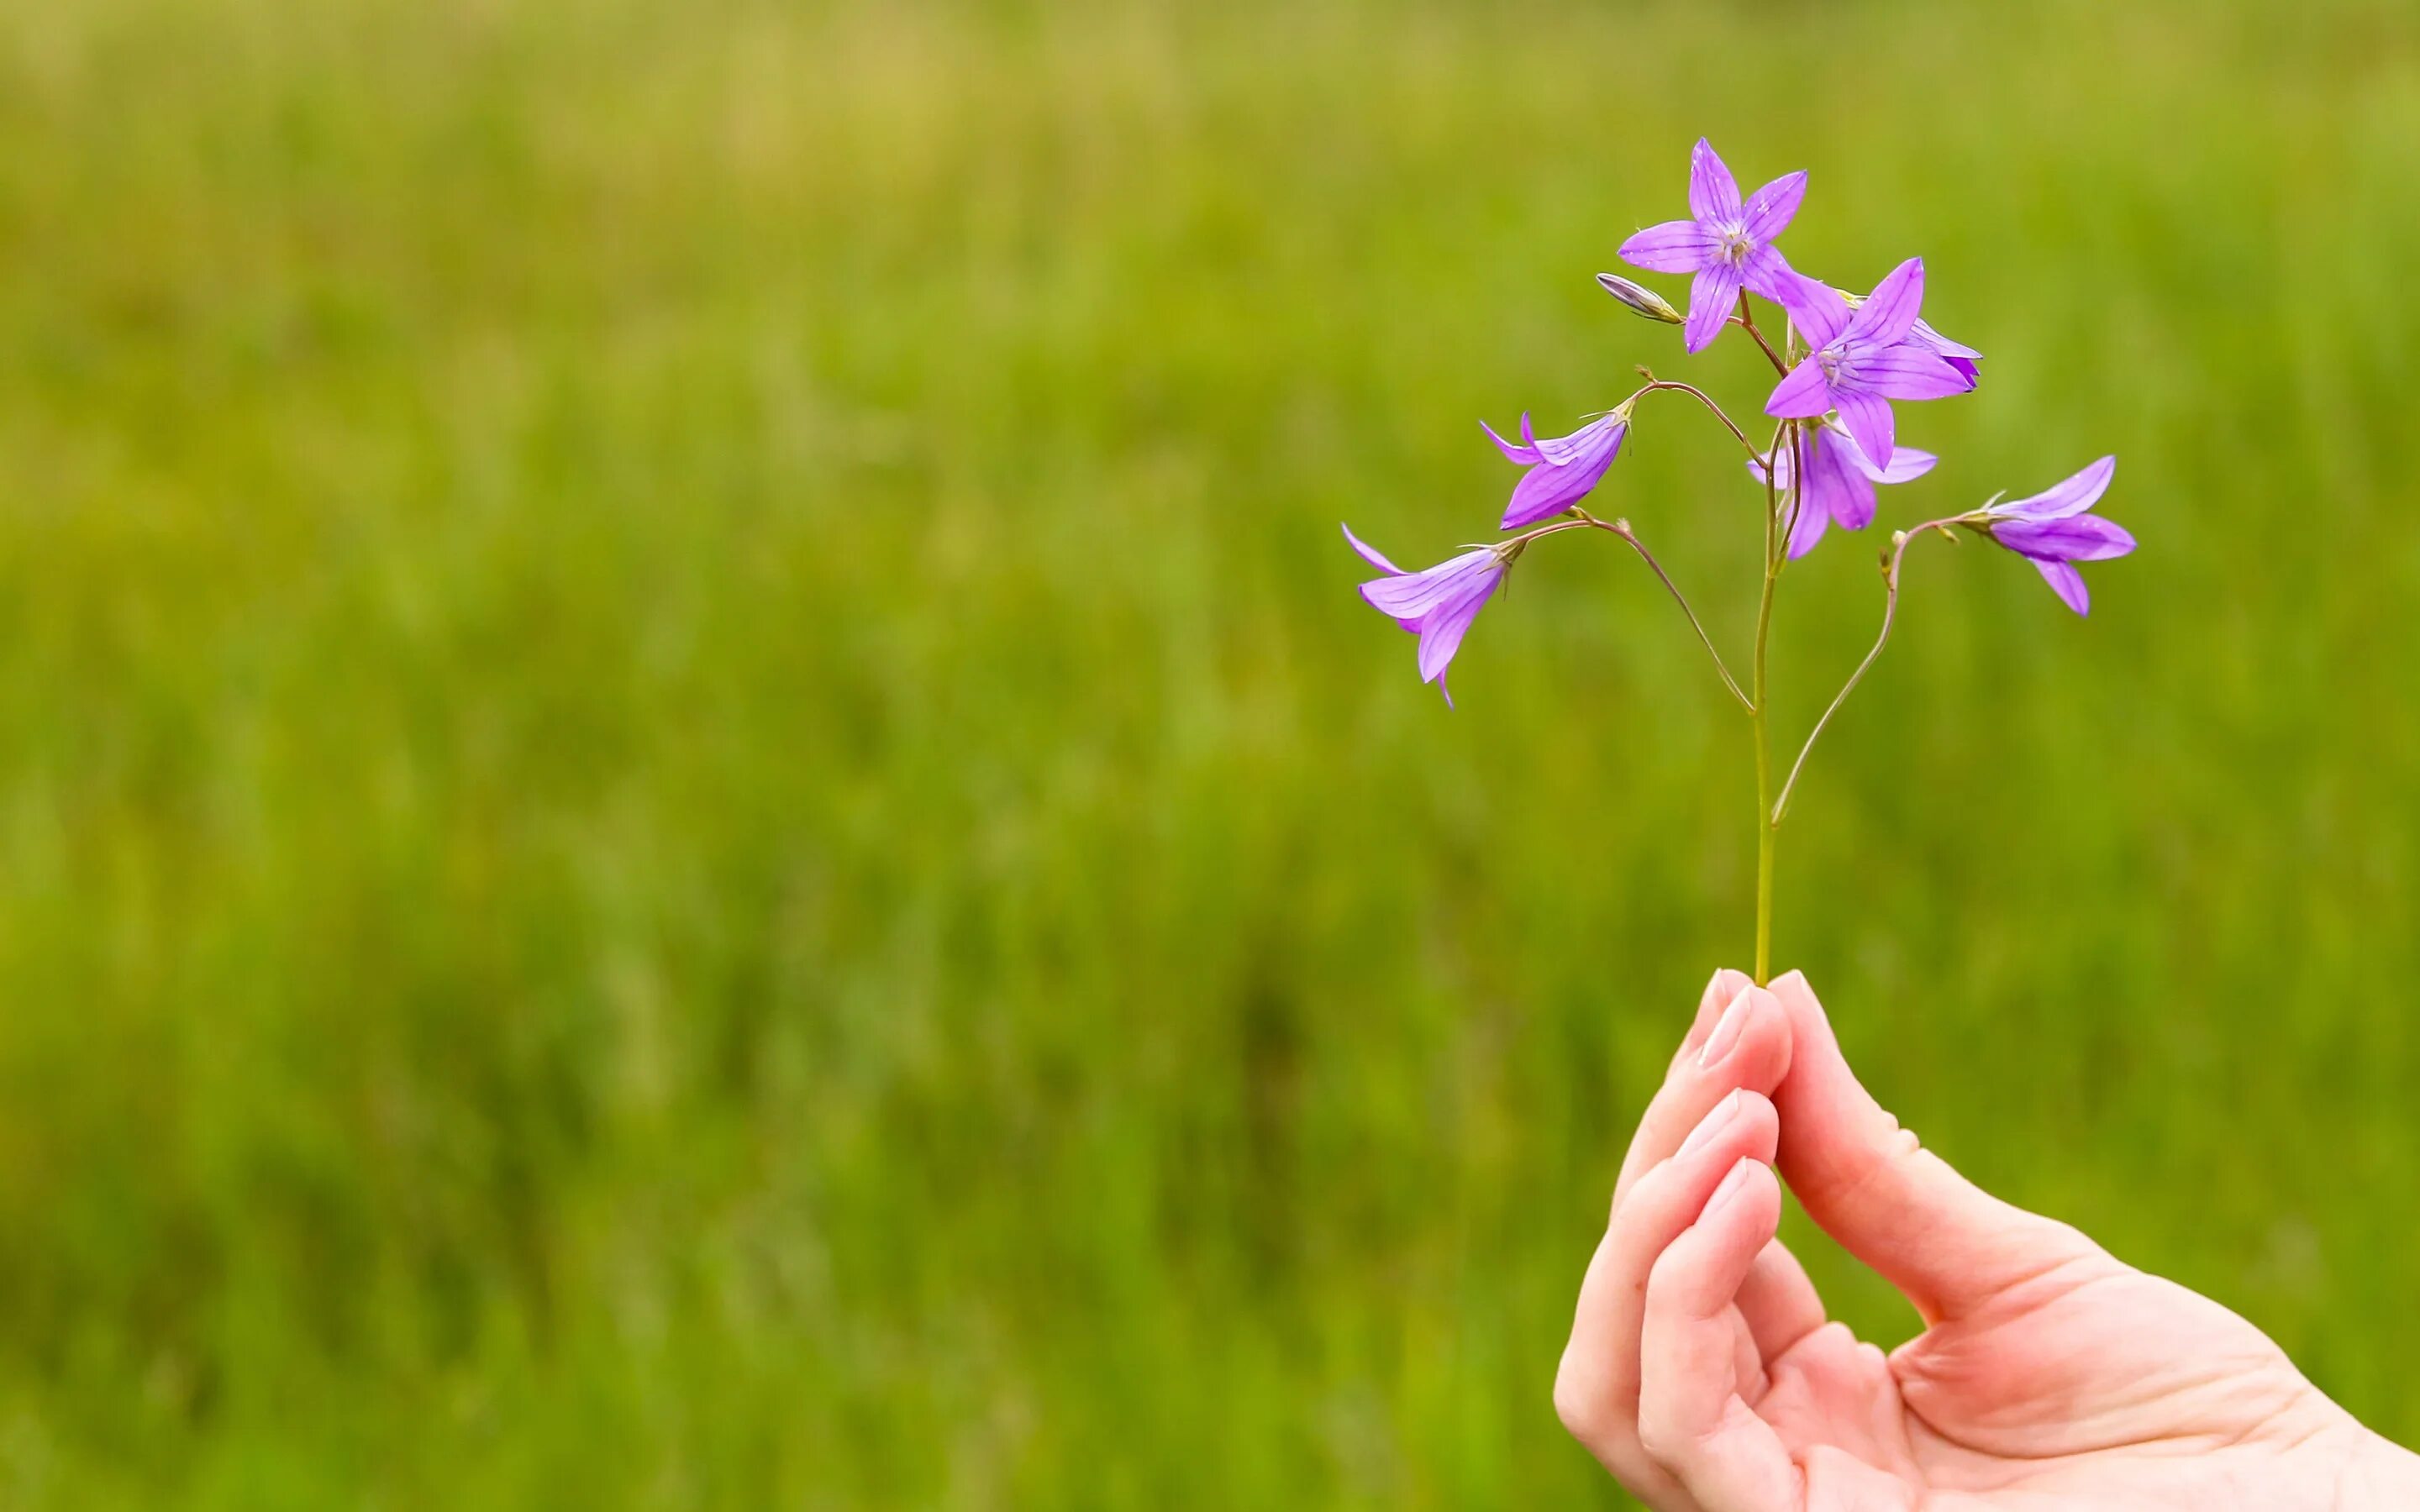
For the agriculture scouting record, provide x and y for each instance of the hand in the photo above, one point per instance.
(1702, 1372)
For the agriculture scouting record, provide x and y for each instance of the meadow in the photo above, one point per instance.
(695, 809)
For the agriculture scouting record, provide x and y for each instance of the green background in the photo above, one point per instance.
(695, 810)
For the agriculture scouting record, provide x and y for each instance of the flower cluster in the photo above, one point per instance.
(1843, 362)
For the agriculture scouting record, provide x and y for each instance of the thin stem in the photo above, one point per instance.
(1622, 528)
(1655, 383)
(1747, 322)
(1891, 613)
(1797, 495)
(1765, 825)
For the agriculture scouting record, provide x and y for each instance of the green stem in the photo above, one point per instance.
(1766, 830)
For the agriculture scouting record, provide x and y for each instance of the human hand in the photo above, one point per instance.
(1702, 1372)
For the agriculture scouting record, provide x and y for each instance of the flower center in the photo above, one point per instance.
(1736, 245)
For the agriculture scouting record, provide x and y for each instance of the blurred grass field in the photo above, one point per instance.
(694, 810)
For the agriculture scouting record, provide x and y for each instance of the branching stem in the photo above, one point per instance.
(1622, 528)
(1891, 613)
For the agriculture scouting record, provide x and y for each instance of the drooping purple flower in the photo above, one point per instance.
(1725, 244)
(2055, 530)
(1562, 469)
(1863, 359)
(1437, 604)
(1967, 360)
(1839, 482)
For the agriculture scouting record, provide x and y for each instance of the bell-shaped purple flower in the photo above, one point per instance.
(1437, 604)
(2055, 530)
(1562, 469)
(1863, 359)
(1725, 243)
(1967, 360)
(1839, 482)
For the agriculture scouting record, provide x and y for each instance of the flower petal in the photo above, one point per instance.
(1953, 351)
(1767, 272)
(1593, 444)
(1416, 596)
(1713, 194)
(1574, 464)
(1809, 529)
(1769, 209)
(1907, 464)
(1818, 310)
(1906, 371)
(1834, 483)
(1524, 455)
(1370, 554)
(1891, 309)
(2068, 584)
(1674, 247)
(1802, 394)
(1712, 294)
(2068, 538)
(2070, 496)
(1441, 637)
(1868, 417)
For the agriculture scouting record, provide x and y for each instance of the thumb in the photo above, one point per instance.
(1944, 1241)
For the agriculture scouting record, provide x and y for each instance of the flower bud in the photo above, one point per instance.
(1640, 299)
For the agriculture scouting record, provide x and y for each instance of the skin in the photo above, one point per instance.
(1702, 1371)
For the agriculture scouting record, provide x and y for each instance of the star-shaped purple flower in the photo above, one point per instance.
(2053, 529)
(1562, 469)
(1863, 360)
(1725, 244)
(1840, 483)
(1437, 604)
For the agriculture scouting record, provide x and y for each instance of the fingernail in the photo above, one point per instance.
(1711, 1124)
(1729, 1191)
(1727, 1030)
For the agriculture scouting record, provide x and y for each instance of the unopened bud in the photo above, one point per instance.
(1639, 297)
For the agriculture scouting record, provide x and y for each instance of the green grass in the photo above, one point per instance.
(693, 809)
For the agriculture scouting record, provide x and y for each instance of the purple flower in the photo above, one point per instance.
(1863, 360)
(1967, 360)
(1562, 469)
(1840, 483)
(1723, 242)
(2054, 530)
(1437, 605)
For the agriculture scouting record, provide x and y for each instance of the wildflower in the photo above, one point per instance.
(2053, 529)
(1725, 244)
(1437, 604)
(1966, 359)
(1839, 482)
(1562, 469)
(1862, 359)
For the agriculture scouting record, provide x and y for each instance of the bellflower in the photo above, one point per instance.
(1967, 360)
(1863, 359)
(1839, 482)
(1437, 604)
(2055, 530)
(1725, 244)
(1562, 469)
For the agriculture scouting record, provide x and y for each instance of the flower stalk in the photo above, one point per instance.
(1843, 360)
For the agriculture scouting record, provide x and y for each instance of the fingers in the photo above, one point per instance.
(1741, 1039)
(1597, 1388)
(1777, 1303)
(1693, 1424)
(1946, 1244)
